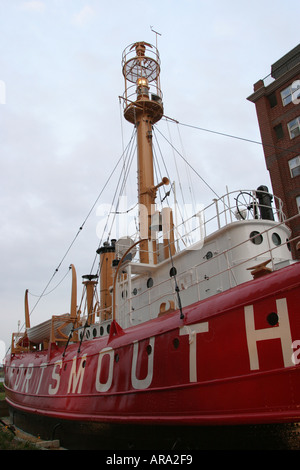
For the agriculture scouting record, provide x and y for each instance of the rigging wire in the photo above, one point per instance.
(130, 150)
(186, 161)
(177, 205)
(50, 291)
(224, 134)
(193, 199)
(122, 134)
(81, 227)
(176, 166)
(177, 290)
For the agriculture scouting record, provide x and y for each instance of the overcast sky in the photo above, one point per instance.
(61, 131)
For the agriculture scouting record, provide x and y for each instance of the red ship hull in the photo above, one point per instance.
(227, 362)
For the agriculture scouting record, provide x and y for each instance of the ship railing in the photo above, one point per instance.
(164, 290)
(153, 92)
(240, 205)
(234, 206)
(17, 344)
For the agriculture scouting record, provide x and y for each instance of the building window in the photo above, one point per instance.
(290, 93)
(278, 131)
(294, 165)
(294, 127)
(298, 203)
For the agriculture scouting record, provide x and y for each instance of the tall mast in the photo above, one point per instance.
(143, 107)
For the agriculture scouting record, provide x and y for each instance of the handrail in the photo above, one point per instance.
(218, 214)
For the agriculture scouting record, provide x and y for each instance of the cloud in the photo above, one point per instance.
(84, 16)
(34, 5)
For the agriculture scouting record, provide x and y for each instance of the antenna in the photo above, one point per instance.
(156, 33)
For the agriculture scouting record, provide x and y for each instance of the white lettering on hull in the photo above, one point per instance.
(28, 376)
(76, 376)
(55, 376)
(19, 375)
(282, 332)
(42, 367)
(104, 387)
(106, 358)
(141, 384)
(192, 331)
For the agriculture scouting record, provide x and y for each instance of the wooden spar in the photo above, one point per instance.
(73, 310)
(27, 317)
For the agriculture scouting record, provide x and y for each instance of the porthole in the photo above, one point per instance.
(209, 255)
(101, 330)
(149, 349)
(83, 364)
(117, 358)
(176, 343)
(87, 334)
(134, 291)
(256, 238)
(150, 282)
(94, 332)
(272, 318)
(173, 271)
(108, 328)
(276, 239)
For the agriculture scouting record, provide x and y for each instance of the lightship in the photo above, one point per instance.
(180, 329)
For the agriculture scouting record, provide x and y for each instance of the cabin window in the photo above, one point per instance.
(276, 239)
(150, 282)
(208, 255)
(272, 318)
(173, 271)
(256, 238)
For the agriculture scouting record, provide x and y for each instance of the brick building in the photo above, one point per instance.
(277, 102)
